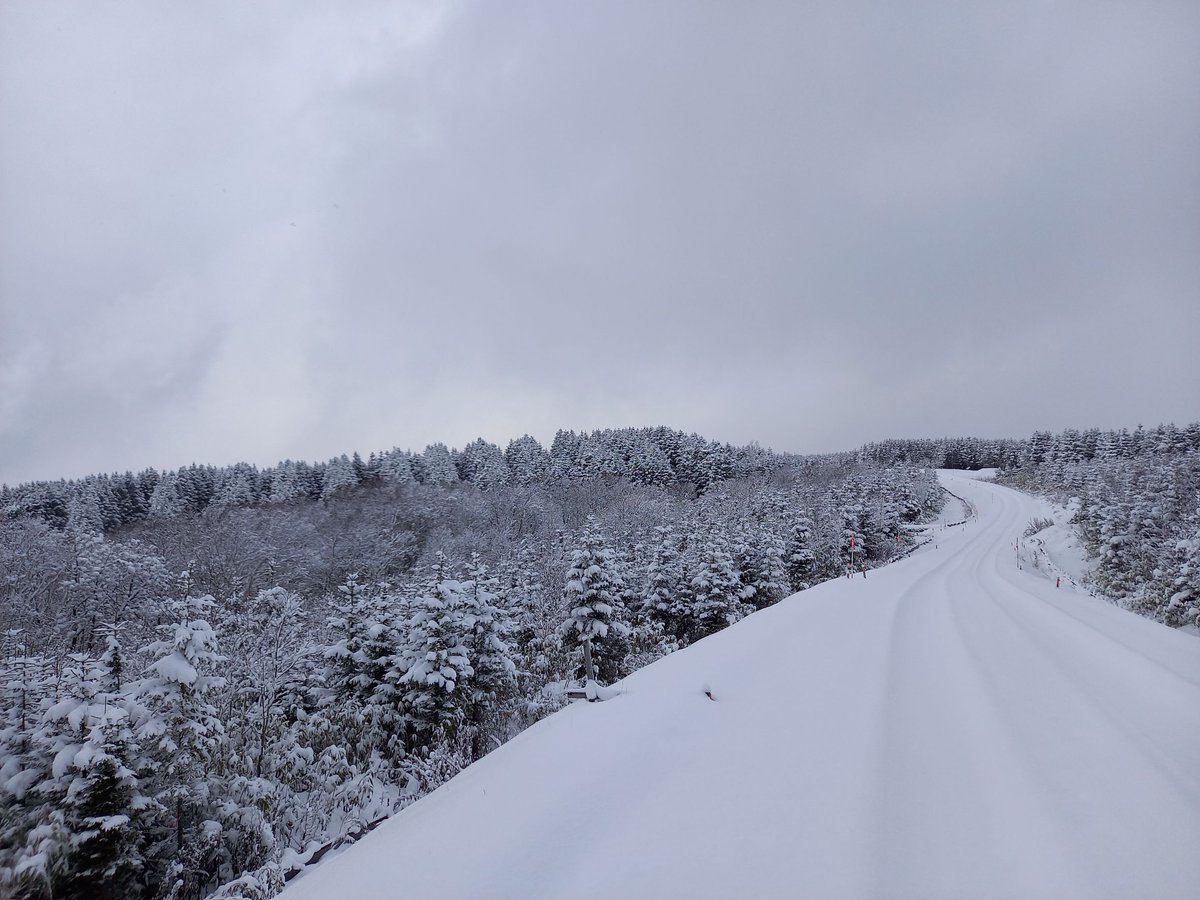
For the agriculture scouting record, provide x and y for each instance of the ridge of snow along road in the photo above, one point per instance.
(951, 726)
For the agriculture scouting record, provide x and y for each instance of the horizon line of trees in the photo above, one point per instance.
(652, 456)
(946, 452)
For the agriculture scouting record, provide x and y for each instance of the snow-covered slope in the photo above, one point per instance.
(950, 726)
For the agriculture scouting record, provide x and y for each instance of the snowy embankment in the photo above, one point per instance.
(953, 725)
(1056, 548)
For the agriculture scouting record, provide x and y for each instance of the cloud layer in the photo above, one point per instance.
(254, 231)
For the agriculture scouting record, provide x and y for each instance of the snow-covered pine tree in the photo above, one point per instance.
(273, 673)
(84, 518)
(165, 501)
(105, 807)
(349, 624)
(437, 465)
(483, 465)
(596, 623)
(131, 505)
(1183, 576)
(651, 466)
(369, 704)
(286, 483)
(358, 467)
(487, 627)
(111, 658)
(564, 450)
(396, 465)
(433, 662)
(801, 560)
(33, 829)
(668, 595)
(538, 648)
(25, 683)
(237, 485)
(339, 474)
(527, 461)
(178, 725)
(716, 587)
(77, 794)
(758, 556)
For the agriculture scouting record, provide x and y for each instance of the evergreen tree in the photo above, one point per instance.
(84, 518)
(111, 659)
(33, 830)
(564, 450)
(1183, 603)
(527, 461)
(652, 466)
(758, 556)
(78, 792)
(177, 723)
(237, 486)
(594, 586)
(669, 595)
(433, 663)
(717, 588)
(361, 682)
(195, 486)
(165, 501)
(358, 467)
(486, 626)
(339, 474)
(483, 465)
(801, 559)
(104, 806)
(540, 655)
(286, 483)
(396, 466)
(438, 465)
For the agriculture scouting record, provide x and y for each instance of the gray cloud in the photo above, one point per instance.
(262, 230)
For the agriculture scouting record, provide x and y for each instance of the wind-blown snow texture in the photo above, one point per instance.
(949, 726)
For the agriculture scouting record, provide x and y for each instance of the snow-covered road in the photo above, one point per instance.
(949, 726)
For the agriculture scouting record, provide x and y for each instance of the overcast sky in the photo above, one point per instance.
(249, 231)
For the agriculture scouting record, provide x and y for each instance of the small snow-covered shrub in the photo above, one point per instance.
(1035, 525)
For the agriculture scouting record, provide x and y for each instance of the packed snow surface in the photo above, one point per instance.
(949, 726)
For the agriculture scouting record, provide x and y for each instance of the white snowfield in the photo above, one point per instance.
(948, 726)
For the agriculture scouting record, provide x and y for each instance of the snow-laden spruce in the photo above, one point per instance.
(594, 588)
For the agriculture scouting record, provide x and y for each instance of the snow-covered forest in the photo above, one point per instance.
(212, 676)
(220, 672)
(1137, 499)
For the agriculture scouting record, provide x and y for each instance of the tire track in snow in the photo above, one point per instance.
(1100, 700)
(1107, 679)
(1185, 668)
(1093, 756)
(952, 770)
